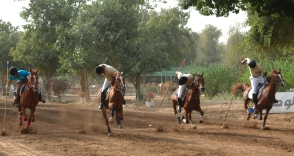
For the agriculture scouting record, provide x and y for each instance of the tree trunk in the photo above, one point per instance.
(47, 87)
(84, 83)
(4, 82)
(138, 85)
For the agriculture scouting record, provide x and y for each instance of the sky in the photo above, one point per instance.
(9, 12)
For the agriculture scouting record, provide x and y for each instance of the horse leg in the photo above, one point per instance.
(190, 119)
(118, 120)
(260, 114)
(24, 114)
(31, 116)
(186, 119)
(202, 116)
(106, 121)
(20, 116)
(121, 115)
(264, 120)
(246, 108)
(112, 110)
(176, 112)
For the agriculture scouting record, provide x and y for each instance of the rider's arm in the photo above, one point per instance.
(246, 60)
(179, 74)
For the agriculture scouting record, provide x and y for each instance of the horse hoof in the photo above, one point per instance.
(201, 121)
(265, 128)
(109, 134)
(20, 124)
(185, 121)
(120, 126)
(111, 120)
(194, 127)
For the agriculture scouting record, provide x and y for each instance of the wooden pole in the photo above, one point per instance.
(172, 82)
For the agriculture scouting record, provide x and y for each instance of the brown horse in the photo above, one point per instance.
(267, 96)
(191, 100)
(29, 98)
(115, 101)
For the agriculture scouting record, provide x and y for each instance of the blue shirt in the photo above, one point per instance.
(22, 76)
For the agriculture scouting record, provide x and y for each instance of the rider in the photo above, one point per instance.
(107, 71)
(257, 76)
(184, 80)
(21, 77)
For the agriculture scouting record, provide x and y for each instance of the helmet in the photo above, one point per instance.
(252, 64)
(12, 70)
(99, 70)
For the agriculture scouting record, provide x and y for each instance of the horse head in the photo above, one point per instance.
(199, 82)
(277, 78)
(32, 81)
(118, 80)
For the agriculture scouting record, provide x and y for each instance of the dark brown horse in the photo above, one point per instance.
(29, 98)
(267, 96)
(115, 101)
(191, 100)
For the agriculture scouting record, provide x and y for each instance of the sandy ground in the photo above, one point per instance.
(78, 129)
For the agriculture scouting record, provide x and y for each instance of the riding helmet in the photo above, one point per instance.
(99, 70)
(252, 64)
(13, 70)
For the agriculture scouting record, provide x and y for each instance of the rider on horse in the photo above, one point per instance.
(257, 76)
(184, 80)
(21, 77)
(107, 71)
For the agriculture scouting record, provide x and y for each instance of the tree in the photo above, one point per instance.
(271, 21)
(209, 50)
(133, 41)
(223, 8)
(36, 47)
(233, 55)
(270, 32)
(9, 36)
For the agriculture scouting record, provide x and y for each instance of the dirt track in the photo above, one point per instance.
(79, 129)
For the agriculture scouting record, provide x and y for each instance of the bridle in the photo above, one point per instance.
(278, 79)
(200, 86)
(33, 81)
(120, 84)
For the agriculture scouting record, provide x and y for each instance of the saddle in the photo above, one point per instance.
(260, 88)
(104, 95)
(175, 97)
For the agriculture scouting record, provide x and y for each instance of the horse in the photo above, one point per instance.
(267, 95)
(29, 98)
(115, 101)
(191, 100)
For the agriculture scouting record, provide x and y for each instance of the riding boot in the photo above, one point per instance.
(255, 101)
(16, 102)
(101, 105)
(180, 105)
(41, 99)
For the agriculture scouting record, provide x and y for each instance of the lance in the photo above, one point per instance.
(172, 82)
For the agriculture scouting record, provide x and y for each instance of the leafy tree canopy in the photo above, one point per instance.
(223, 8)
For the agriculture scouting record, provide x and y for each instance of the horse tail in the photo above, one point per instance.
(239, 86)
